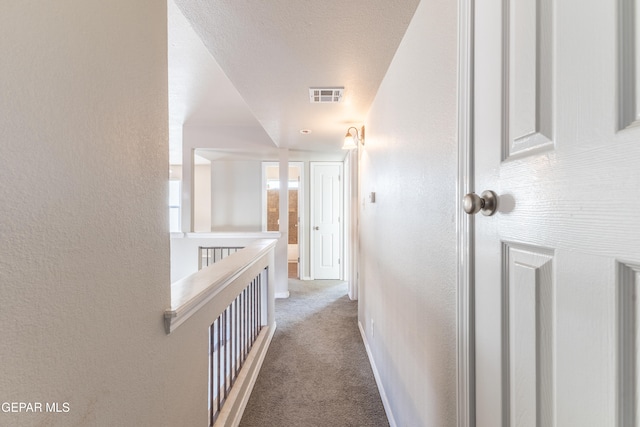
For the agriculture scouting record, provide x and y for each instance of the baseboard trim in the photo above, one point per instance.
(232, 411)
(376, 375)
(280, 295)
(306, 278)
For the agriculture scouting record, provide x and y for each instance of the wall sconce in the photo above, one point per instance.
(351, 141)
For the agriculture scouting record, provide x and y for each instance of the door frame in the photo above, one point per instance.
(341, 233)
(466, 389)
(301, 216)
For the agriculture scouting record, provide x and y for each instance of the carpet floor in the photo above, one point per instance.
(316, 371)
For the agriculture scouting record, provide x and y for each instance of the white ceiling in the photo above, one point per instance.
(250, 64)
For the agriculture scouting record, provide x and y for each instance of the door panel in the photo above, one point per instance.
(528, 320)
(629, 75)
(528, 81)
(628, 340)
(556, 268)
(327, 257)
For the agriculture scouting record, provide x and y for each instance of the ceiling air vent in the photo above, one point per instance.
(323, 95)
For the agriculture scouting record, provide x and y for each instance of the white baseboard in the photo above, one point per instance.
(376, 375)
(306, 278)
(282, 294)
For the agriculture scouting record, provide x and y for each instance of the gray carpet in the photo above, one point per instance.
(316, 372)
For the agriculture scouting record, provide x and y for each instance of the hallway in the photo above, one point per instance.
(316, 372)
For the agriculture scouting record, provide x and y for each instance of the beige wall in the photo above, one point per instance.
(408, 236)
(84, 259)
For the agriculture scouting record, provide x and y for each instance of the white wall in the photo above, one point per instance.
(408, 236)
(185, 249)
(84, 259)
(202, 197)
(236, 195)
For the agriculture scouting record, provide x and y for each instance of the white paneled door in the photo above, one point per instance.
(326, 211)
(557, 267)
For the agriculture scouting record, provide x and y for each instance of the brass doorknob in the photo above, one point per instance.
(487, 203)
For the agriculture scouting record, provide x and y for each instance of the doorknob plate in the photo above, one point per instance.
(487, 203)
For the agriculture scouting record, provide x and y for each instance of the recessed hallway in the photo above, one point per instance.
(316, 372)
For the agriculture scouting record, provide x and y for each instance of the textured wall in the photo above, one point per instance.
(84, 259)
(408, 236)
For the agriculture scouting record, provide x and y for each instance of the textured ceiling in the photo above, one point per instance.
(271, 52)
(200, 94)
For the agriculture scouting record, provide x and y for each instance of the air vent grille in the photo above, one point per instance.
(324, 95)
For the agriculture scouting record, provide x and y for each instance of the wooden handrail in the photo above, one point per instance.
(224, 280)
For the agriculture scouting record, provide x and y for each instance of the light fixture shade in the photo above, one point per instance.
(349, 142)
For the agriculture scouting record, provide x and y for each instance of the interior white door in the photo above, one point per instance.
(326, 209)
(557, 267)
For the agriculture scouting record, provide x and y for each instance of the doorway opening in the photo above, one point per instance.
(271, 210)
